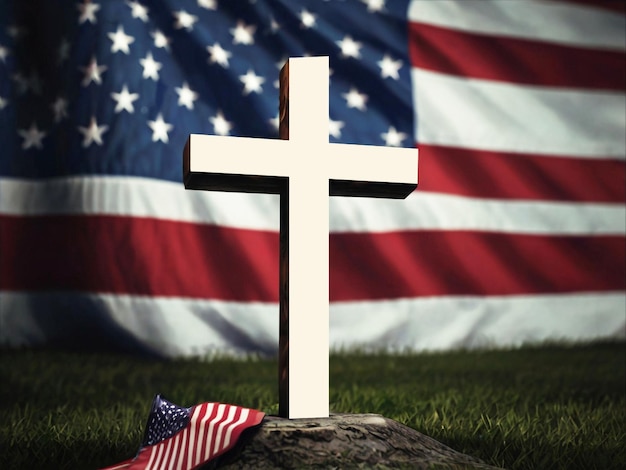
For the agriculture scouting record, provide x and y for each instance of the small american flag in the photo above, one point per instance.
(185, 438)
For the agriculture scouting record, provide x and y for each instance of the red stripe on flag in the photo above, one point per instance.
(173, 456)
(126, 255)
(507, 175)
(192, 448)
(182, 452)
(236, 428)
(229, 419)
(218, 445)
(618, 6)
(179, 259)
(432, 263)
(212, 429)
(157, 464)
(203, 441)
(514, 60)
(166, 454)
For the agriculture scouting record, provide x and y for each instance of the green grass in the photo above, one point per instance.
(548, 407)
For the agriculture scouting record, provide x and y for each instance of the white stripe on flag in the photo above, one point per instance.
(153, 452)
(443, 323)
(242, 418)
(157, 461)
(193, 435)
(166, 454)
(174, 456)
(211, 437)
(433, 211)
(577, 25)
(183, 446)
(182, 326)
(202, 441)
(118, 467)
(429, 211)
(489, 115)
(139, 197)
(217, 447)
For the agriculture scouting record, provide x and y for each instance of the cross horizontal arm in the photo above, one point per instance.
(365, 170)
(256, 165)
(242, 158)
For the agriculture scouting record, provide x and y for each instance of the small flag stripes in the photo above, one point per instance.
(186, 438)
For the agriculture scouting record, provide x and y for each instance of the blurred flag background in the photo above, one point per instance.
(516, 232)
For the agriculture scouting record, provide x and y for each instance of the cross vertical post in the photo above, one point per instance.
(304, 339)
(304, 169)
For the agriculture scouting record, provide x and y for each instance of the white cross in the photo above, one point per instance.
(304, 170)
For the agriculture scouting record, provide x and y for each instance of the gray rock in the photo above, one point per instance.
(342, 441)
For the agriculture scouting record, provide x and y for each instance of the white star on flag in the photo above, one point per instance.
(4, 52)
(208, 4)
(186, 96)
(393, 138)
(3, 102)
(374, 5)
(138, 10)
(160, 40)
(124, 100)
(218, 55)
(60, 109)
(150, 67)
(243, 34)
(121, 40)
(275, 122)
(350, 48)
(334, 128)
(274, 25)
(307, 19)
(93, 133)
(251, 82)
(87, 11)
(220, 125)
(184, 20)
(93, 72)
(354, 99)
(32, 137)
(389, 67)
(160, 128)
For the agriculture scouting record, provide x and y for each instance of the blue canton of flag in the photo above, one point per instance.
(164, 421)
(116, 86)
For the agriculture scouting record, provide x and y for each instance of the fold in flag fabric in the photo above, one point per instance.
(516, 232)
(187, 438)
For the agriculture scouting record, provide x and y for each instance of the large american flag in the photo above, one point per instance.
(515, 233)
